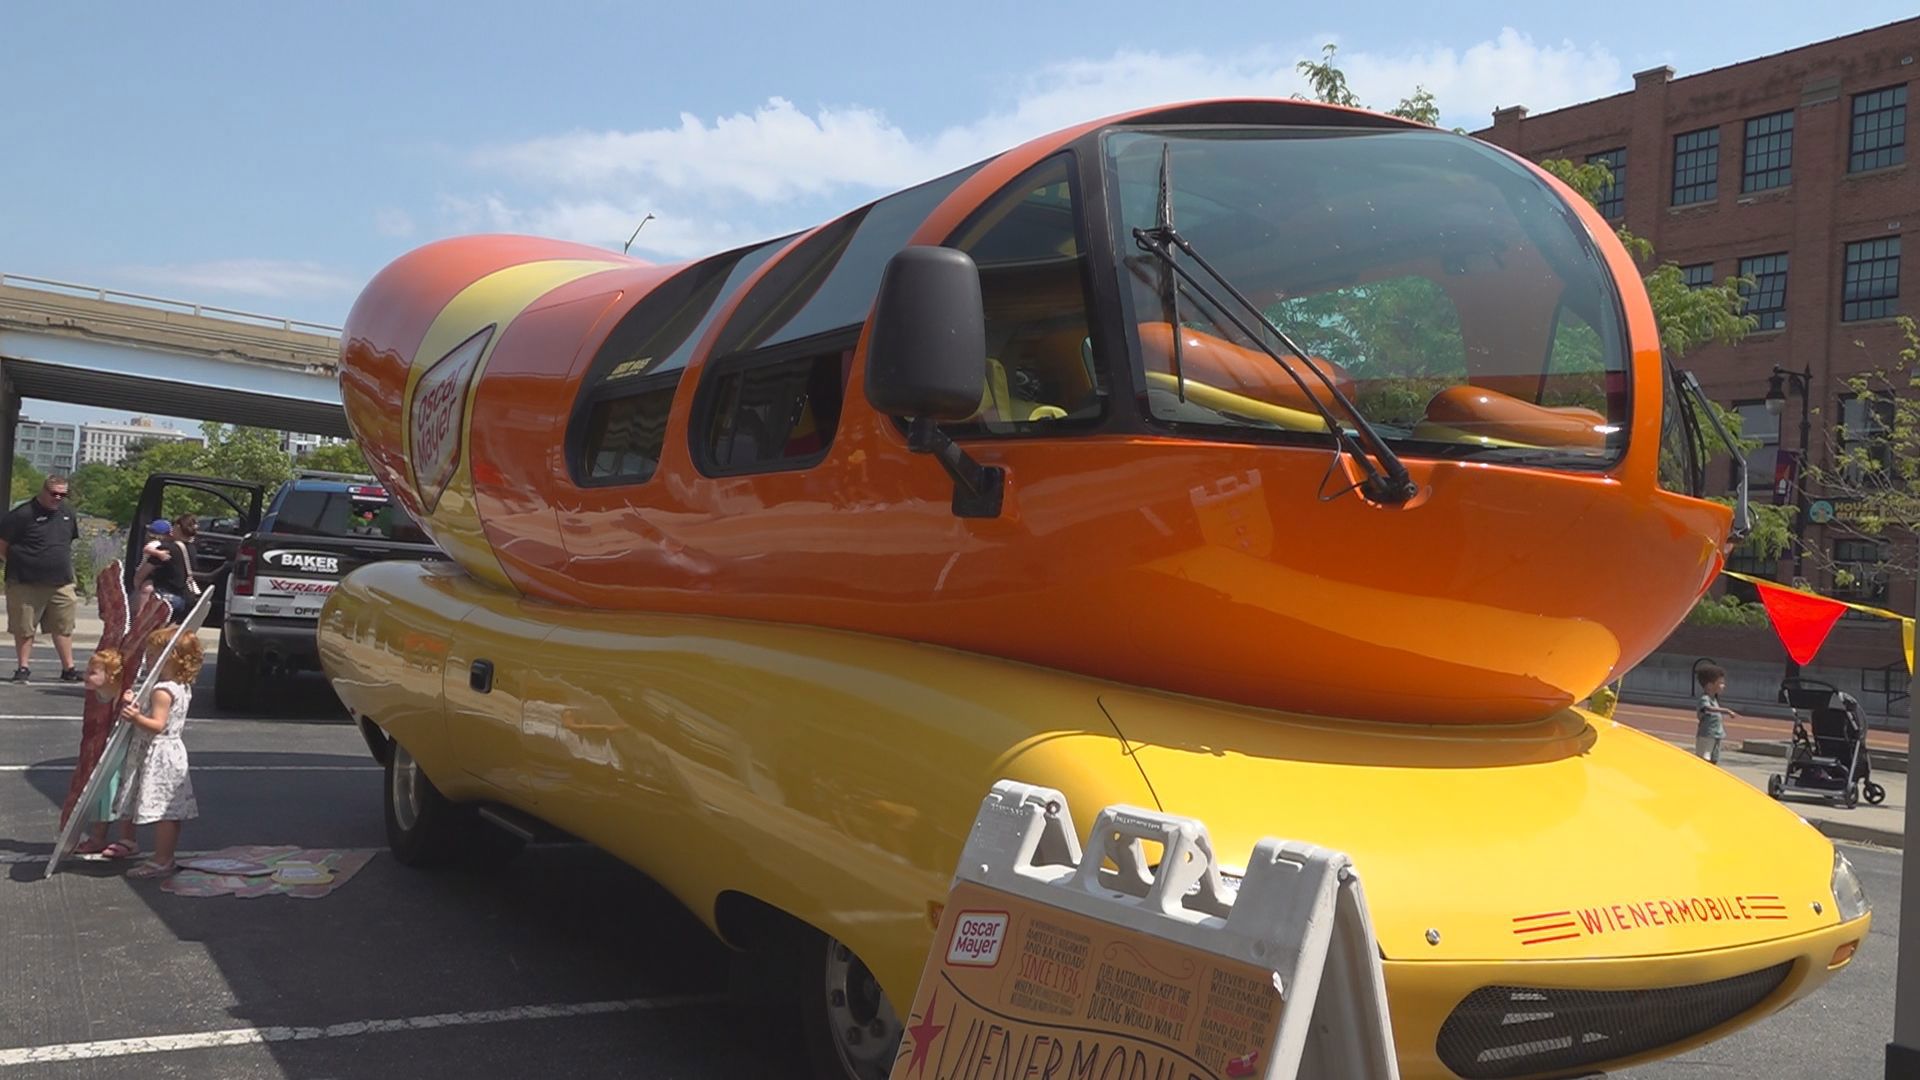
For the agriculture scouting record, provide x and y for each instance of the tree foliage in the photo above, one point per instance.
(229, 453)
(26, 480)
(336, 457)
(1874, 475)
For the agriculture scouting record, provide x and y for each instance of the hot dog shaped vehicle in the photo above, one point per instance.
(1293, 468)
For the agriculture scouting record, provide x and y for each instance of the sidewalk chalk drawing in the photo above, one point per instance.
(266, 870)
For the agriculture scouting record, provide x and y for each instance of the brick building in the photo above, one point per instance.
(1792, 169)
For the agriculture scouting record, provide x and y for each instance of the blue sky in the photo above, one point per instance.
(273, 157)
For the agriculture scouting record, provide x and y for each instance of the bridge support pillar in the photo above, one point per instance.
(9, 425)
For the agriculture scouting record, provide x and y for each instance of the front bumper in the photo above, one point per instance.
(1558, 1018)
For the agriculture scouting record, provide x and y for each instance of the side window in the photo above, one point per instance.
(1033, 285)
(1576, 374)
(625, 434)
(766, 415)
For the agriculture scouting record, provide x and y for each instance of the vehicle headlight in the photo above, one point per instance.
(1849, 897)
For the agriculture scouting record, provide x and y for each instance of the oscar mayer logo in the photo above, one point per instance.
(433, 422)
(1621, 918)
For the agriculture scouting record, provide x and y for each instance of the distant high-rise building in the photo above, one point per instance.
(50, 447)
(109, 444)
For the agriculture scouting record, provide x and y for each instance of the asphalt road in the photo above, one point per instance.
(563, 962)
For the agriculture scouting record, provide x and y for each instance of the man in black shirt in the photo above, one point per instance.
(36, 540)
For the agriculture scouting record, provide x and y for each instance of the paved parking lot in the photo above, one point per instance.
(564, 962)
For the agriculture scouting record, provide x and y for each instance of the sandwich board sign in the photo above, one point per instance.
(1050, 963)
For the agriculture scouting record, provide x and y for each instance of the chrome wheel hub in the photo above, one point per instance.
(866, 1033)
(406, 789)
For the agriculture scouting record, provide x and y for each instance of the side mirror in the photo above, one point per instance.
(927, 357)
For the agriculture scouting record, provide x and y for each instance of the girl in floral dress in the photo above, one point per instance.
(157, 791)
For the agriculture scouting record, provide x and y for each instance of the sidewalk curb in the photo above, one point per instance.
(1889, 760)
(1847, 830)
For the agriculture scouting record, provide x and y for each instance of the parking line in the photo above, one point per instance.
(161, 1044)
(9, 858)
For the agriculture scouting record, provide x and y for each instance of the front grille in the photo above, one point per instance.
(1506, 1031)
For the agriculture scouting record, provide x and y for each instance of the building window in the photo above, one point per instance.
(1697, 276)
(1766, 298)
(1872, 288)
(1769, 152)
(1696, 166)
(1879, 129)
(1866, 420)
(1612, 202)
(1859, 567)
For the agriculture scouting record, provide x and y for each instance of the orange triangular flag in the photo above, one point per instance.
(1802, 619)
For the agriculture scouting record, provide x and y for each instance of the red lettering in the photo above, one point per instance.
(1667, 910)
(1619, 918)
(1713, 909)
(1055, 1051)
(1699, 909)
(1653, 912)
(1590, 919)
(1742, 901)
(1639, 914)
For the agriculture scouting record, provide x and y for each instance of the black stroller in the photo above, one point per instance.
(1829, 753)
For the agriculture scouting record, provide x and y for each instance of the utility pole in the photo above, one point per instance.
(1776, 401)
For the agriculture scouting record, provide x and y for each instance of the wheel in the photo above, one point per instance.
(813, 1001)
(233, 679)
(1775, 786)
(1875, 794)
(422, 826)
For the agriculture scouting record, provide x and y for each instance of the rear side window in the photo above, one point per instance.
(763, 415)
(625, 435)
(347, 514)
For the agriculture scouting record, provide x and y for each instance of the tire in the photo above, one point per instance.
(1875, 794)
(815, 1004)
(234, 681)
(1775, 786)
(422, 825)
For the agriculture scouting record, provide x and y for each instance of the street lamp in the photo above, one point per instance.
(1802, 383)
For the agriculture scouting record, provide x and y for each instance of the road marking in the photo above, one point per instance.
(13, 858)
(341, 721)
(216, 768)
(252, 1036)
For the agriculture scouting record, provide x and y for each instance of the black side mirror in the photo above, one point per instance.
(927, 357)
(927, 363)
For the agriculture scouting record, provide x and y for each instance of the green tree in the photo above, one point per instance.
(336, 457)
(1874, 472)
(245, 453)
(26, 480)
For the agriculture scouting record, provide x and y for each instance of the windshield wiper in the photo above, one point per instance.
(1387, 481)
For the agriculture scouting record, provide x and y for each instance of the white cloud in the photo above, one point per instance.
(394, 222)
(753, 174)
(245, 277)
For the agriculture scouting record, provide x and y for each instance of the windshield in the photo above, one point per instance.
(1446, 290)
(365, 513)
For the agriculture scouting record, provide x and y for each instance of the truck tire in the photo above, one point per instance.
(233, 679)
(814, 1002)
(423, 827)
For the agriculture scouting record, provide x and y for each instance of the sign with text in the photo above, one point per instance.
(1017, 988)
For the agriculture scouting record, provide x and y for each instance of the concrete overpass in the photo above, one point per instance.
(118, 350)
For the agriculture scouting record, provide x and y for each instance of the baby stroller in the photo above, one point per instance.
(1829, 753)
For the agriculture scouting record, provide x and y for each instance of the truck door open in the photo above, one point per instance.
(227, 511)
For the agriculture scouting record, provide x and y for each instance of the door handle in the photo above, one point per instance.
(480, 676)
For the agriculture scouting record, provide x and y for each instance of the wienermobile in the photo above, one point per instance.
(1295, 468)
